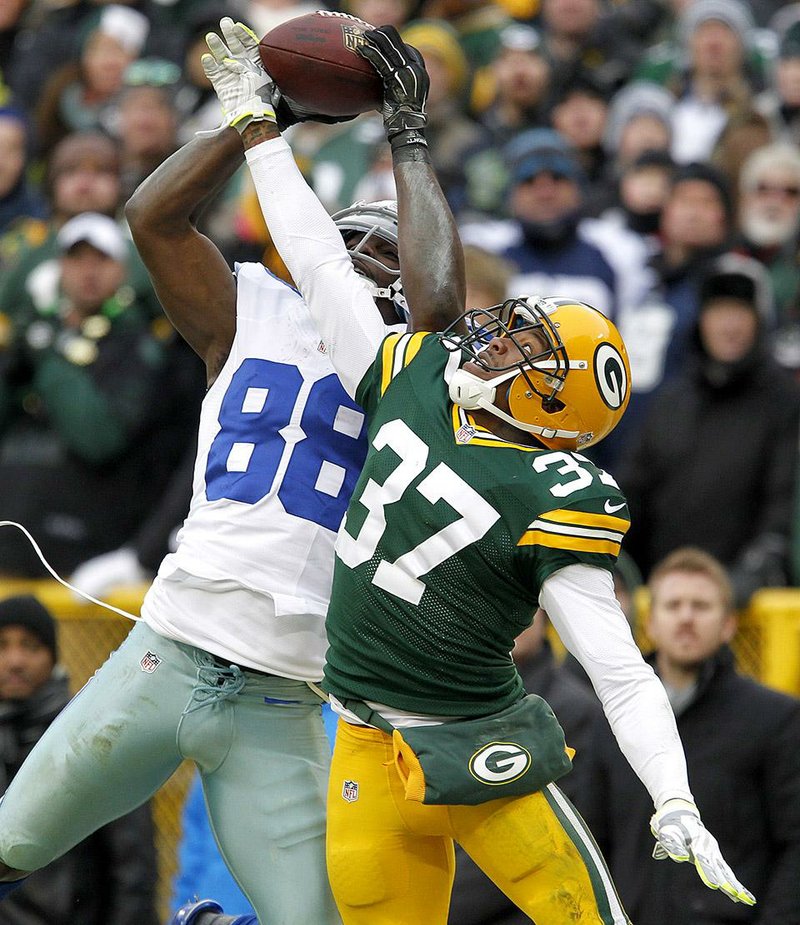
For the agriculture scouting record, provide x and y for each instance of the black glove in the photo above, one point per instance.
(405, 84)
(288, 112)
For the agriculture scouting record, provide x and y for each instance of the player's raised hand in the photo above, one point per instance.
(238, 77)
(681, 836)
(405, 83)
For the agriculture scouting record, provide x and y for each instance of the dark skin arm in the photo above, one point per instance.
(433, 276)
(431, 256)
(191, 277)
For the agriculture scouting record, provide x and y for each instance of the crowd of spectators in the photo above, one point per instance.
(605, 152)
(640, 155)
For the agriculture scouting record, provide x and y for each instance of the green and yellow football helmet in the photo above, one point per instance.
(571, 394)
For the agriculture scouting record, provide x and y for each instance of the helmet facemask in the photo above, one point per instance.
(542, 374)
(370, 219)
(571, 393)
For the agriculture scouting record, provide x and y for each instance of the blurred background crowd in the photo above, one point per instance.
(640, 155)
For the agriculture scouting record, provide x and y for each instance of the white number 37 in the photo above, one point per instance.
(402, 577)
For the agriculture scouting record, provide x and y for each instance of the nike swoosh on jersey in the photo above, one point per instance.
(613, 508)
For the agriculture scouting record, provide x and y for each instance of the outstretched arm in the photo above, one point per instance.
(191, 278)
(580, 602)
(431, 256)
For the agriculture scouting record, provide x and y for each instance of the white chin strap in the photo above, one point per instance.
(393, 292)
(471, 393)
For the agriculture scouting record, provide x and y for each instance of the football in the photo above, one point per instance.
(313, 60)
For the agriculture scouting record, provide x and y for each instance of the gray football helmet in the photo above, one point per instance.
(375, 218)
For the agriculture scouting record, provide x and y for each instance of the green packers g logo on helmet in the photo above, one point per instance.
(499, 763)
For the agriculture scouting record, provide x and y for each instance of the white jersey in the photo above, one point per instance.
(280, 448)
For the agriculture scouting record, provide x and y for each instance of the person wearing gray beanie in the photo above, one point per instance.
(642, 98)
(735, 15)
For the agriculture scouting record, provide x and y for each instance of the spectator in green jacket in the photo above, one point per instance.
(88, 427)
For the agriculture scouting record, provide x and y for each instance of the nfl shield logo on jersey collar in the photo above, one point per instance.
(465, 433)
(350, 791)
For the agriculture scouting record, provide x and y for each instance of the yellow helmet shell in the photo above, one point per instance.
(595, 390)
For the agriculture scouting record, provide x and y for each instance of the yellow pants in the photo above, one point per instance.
(391, 861)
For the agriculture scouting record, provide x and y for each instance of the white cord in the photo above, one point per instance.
(59, 579)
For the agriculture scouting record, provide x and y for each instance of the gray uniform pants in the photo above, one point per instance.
(258, 741)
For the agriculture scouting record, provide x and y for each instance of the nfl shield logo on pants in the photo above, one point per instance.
(150, 661)
(350, 791)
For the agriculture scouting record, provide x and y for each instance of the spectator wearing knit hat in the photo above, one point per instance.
(713, 70)
(678, 478)
(780, 103)
(543, 237)
(696, 224)
(82, 95)
(21, 678)
(110, 878)
(639, 120)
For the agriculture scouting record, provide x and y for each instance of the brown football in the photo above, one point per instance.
(313, 60)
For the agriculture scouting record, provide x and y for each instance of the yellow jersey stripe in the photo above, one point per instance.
(398, 351)
(575, 543)
(587, 519)
(413, 345)
(387, 359)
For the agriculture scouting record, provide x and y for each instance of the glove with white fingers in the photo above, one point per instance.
(681, 836)
(243, 85)
(405, 84)
(244, 88)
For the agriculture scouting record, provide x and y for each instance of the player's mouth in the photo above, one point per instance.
(480, 372)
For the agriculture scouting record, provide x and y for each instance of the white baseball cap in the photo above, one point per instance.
(102, 232)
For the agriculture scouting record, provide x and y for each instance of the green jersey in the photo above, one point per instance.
(450, 533)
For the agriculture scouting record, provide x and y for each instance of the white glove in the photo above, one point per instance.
(99, 575)
(237, 75)
(681, 835)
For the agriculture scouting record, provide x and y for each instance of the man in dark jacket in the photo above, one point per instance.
(714, 465)
(741, 741)
(110, 878)
(476, 900)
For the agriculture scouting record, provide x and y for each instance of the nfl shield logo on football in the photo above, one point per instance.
(150, 661)
(350, 791)
(352, 37)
